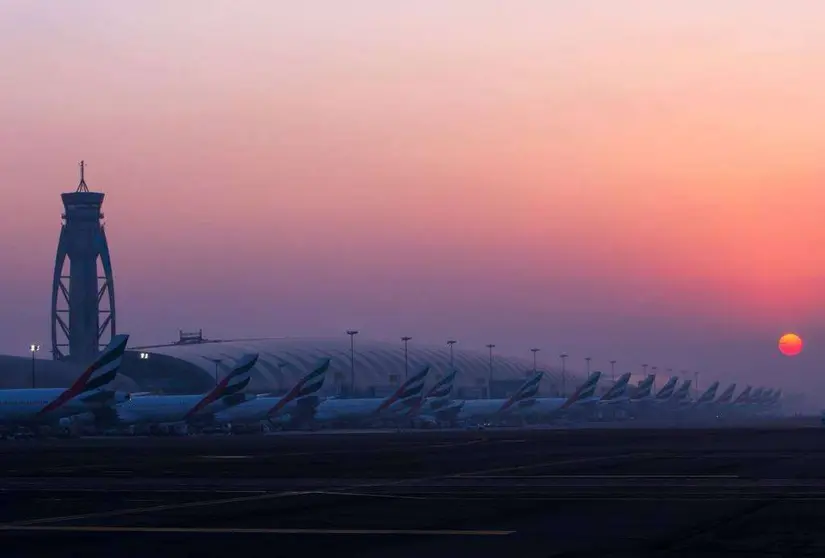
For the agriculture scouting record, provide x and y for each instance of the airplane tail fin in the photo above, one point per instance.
(438, 396)
(667, 390)
(99, 373)
(409, 393)
(238, 378)
(709, 394)
(743, 397)
(308, 385)
(232, 384)
(755, 396)
(683, 391)
(727, 395)
(443, 387)
(645, 387)
(618, 389)
(585, 391)
(528, 390)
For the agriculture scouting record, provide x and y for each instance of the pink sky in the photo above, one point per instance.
(639, 180)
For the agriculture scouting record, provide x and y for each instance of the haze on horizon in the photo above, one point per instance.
(636, 180)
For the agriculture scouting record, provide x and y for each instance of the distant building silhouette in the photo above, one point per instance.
(80, 326)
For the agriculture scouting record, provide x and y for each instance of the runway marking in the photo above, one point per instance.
(552, 464)
(395, 447)
(151, 509)
(573, 477)
(182, 490)
(225, 456)
(287, 494)
(370, 495)
(264, 531)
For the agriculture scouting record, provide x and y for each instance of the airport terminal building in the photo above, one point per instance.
(372, 369)
(192, 364)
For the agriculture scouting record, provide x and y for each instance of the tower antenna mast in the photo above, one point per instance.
(82, 186)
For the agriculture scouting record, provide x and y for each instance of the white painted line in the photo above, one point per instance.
(288, 494)
(218, 530)
(371, 495)
(574, 477)
(553, 464)
(152, 509)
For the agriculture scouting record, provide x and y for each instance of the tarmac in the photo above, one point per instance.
(520, 492)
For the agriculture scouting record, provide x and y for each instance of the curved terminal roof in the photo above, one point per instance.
(17, 373)
(378, 365)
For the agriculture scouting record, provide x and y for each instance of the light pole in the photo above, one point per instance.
(613, 370)
(587, 360)
(217, 361)
(490, 379)
(352, 333)
(451, 342)
(535, 368)
(33, 348)
(405, 339)
(563, 357)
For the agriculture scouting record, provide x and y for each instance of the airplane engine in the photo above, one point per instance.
(304, 412)
(73, 425)
(83, 419)
(425, 422)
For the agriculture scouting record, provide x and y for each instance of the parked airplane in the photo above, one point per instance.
(51, 405)
(268, 408)
(644, 390)
(682, 395)
(544, 409)
(744, 397)
(707, 397)
(653, 405)
(437, 406)
(493, 410)
(727, 396)
(174, 413)
(617, 393)
(369, 410)
(667, 390)
(756, 396)
(766, 397)
(776, 398)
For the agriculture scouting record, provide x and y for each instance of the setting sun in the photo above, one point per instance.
(790, 344)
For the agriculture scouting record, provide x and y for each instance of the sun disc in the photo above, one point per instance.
(790, 344)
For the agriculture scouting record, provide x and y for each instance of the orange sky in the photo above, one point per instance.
(637, 162)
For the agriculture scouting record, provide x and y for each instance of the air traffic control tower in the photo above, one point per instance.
(83, 292)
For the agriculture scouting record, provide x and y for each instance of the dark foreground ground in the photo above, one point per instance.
(634, 493)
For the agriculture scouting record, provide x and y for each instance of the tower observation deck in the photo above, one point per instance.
(83, 293)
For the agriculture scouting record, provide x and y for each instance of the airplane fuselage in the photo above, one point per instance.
(254, 410)
(356, 409)
(164, 409)
(24, 405)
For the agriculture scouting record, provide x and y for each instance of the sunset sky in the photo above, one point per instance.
(638, 180)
